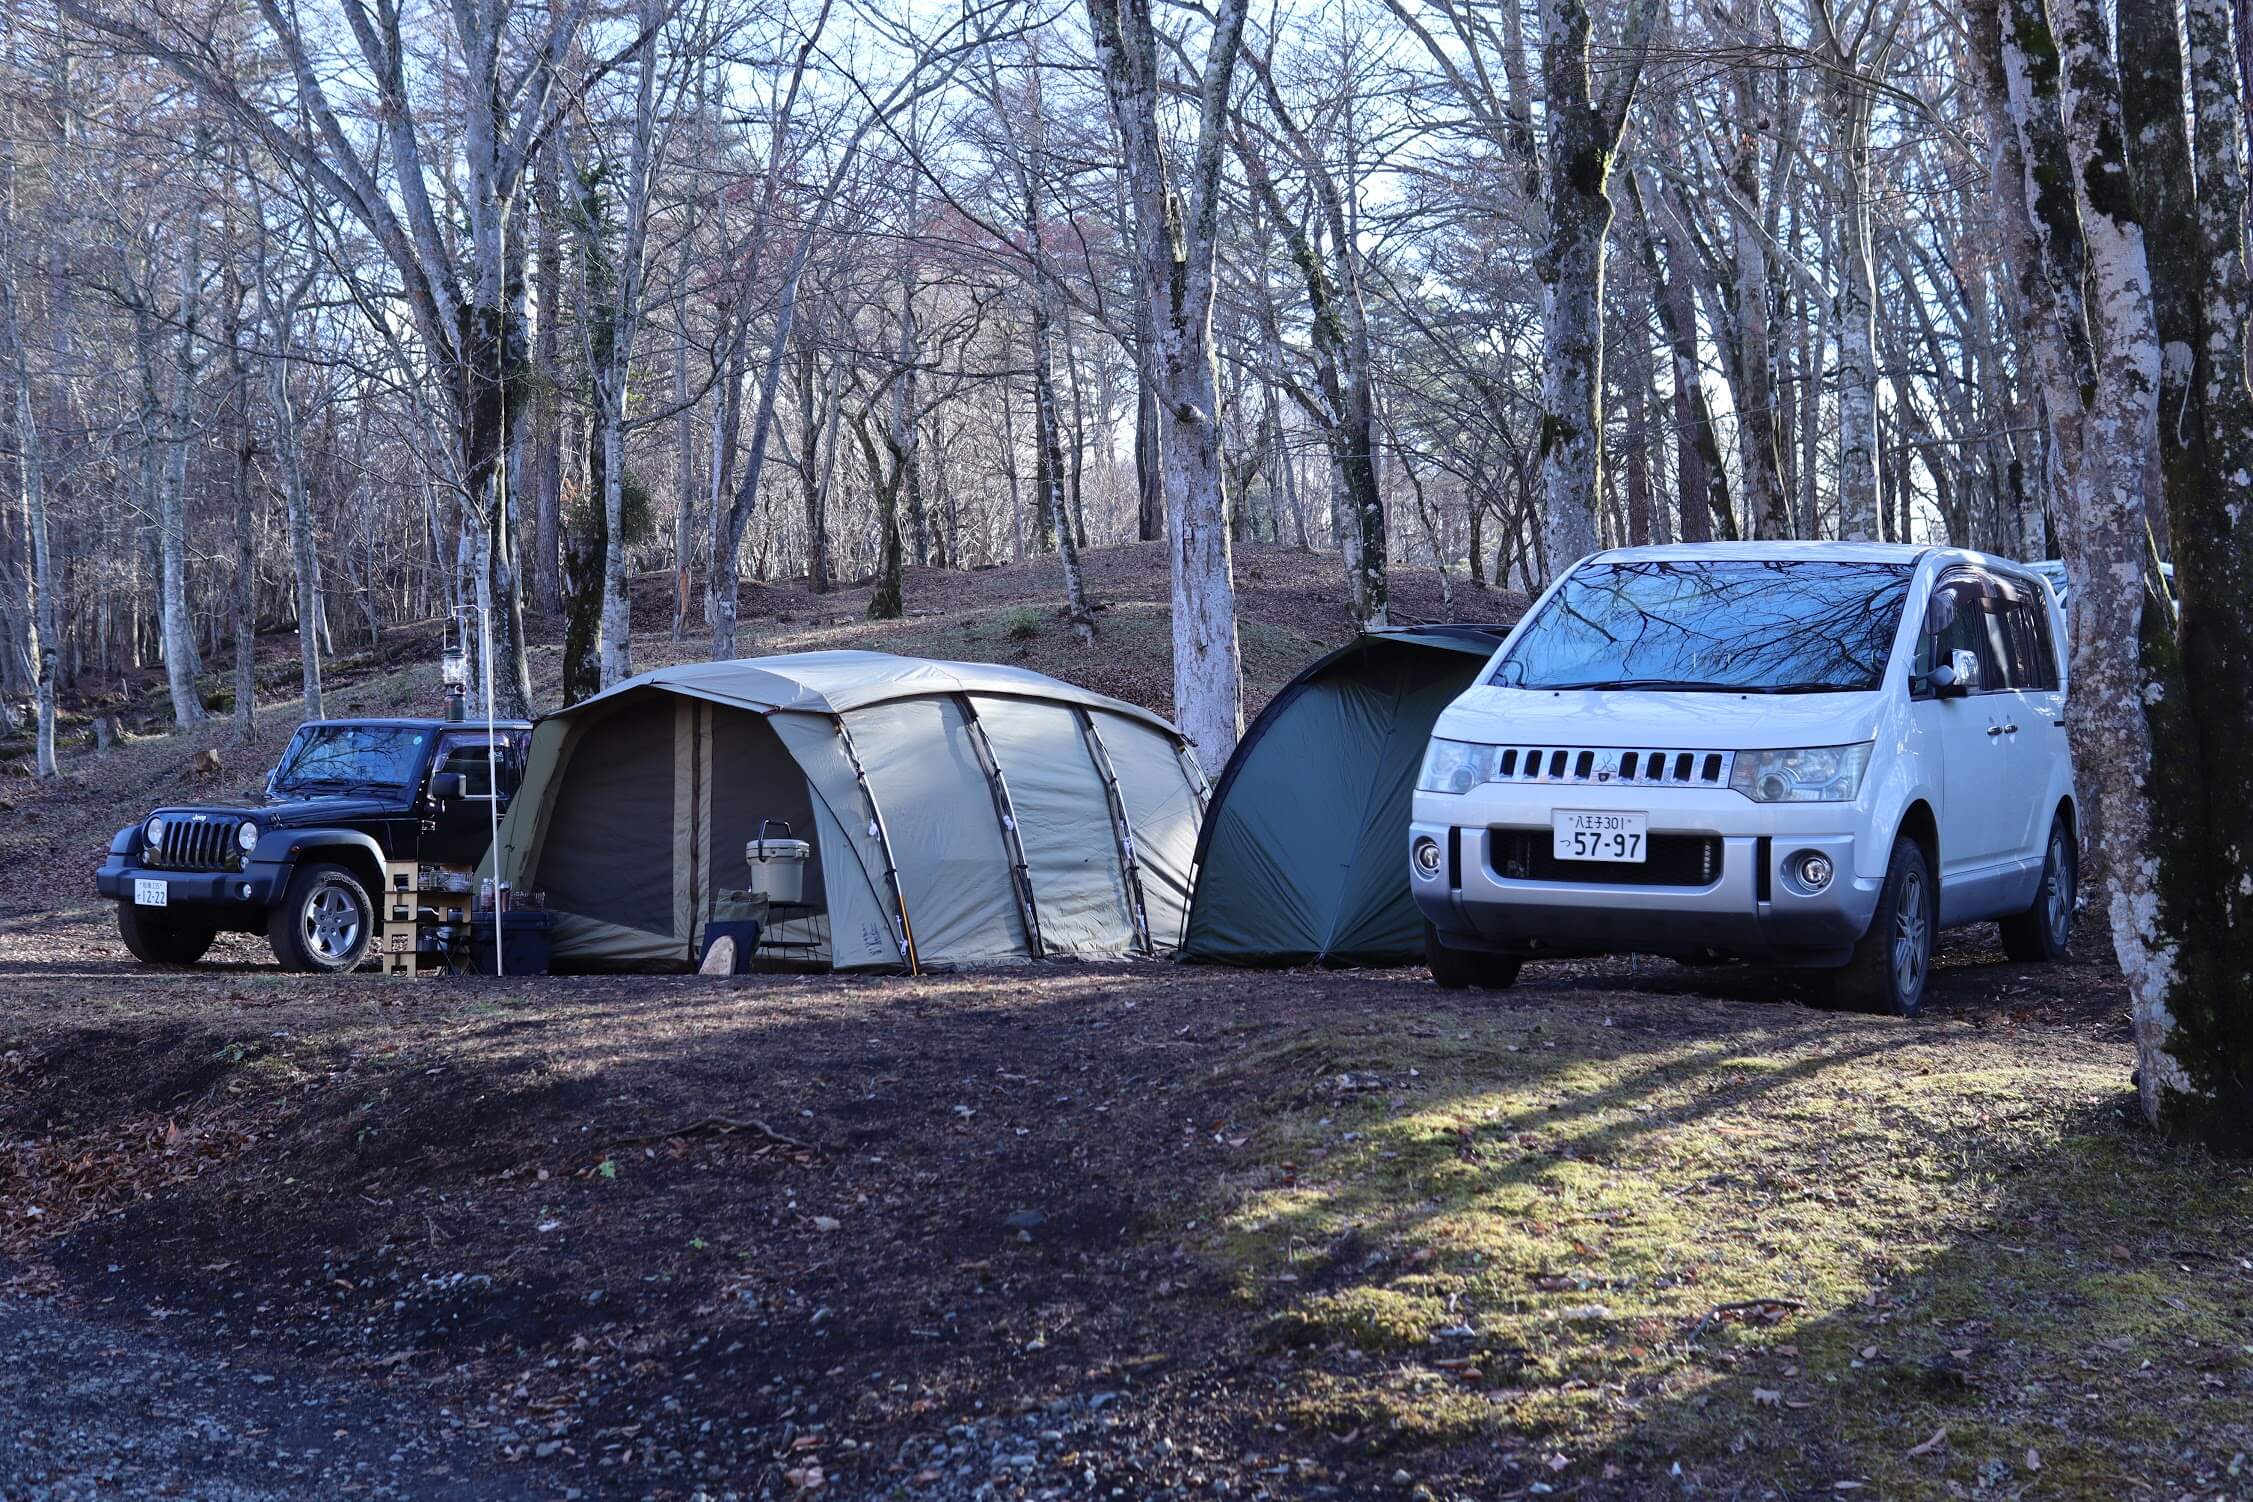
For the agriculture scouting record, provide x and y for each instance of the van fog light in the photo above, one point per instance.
(1425, 854)
(1814, 871)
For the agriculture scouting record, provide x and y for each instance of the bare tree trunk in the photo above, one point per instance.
(31, 476)
(242, 449)
(1700, 481)
(1584, 135)
(829, 435)
(180, 658)
(2088, 261)
(1759, 462)
(884, 472)
(1028, 159)
(547, 403)
(1853, 63)
(1343, 360)
(1176, 230)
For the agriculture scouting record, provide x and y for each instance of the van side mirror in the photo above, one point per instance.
(448, 787)
(1956, 677)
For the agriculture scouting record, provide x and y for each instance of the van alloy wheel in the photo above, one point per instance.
(2059, 877)
(1892, 961)
(1912, 937)
(2040, 934)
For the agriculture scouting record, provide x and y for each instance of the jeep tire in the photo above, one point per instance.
(1893, 961)
(325, 923)
(1467, 969)
(2039, 935)
(154, 937)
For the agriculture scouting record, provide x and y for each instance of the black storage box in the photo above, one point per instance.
(745, 932)
(527, 941)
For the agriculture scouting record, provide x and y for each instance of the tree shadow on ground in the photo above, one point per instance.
(895, 1207)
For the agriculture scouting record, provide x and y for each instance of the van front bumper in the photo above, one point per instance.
(1754, 908)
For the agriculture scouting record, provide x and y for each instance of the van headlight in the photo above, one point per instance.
(1455, 766)
(1812, 774)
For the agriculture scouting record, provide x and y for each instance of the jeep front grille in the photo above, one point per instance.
(1674, 860)
(206, 844)
(1605, 765)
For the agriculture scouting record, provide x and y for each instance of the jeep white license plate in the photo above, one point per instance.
(148, 893)
(1590, 835)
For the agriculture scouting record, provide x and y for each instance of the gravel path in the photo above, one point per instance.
(91, 1409)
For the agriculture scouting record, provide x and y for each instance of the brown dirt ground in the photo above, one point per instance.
(650, 1237)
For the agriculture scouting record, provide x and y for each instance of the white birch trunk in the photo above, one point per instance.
(2101, 385)
(180, 658)
(1176, 231)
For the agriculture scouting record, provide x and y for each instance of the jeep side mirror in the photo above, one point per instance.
(448, 787)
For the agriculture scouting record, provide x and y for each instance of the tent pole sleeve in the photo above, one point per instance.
(1128, 866)
(884, 842)
(1005, 814)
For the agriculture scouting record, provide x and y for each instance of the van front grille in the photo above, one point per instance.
(1675, 860)
(1608, 765)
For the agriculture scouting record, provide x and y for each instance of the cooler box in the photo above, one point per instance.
(778, 865)
(525, 935)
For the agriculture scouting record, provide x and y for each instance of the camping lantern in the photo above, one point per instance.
(778, 866)
(453, 671)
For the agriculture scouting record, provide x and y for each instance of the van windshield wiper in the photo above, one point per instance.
(1690, 685)
(1809, 688)
(1703, 686)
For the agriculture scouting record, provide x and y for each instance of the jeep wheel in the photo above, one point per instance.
(1467, 969)
(326, 923)
(156, 939)
(1893, 961)
(2039, 935)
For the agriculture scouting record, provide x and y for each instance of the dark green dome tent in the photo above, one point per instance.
(1303, 858)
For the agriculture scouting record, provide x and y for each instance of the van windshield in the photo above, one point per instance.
(1765, 626)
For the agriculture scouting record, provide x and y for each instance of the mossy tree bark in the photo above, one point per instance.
(2148, 694)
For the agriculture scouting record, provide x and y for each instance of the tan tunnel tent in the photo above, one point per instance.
(959, 814)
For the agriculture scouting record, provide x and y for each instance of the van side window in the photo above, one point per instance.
(2033, 659)
(1958, 620)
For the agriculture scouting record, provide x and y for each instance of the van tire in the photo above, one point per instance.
(2039, 935)
(325, 923)
(1467, 969)
(1893, 962)
(155, 940)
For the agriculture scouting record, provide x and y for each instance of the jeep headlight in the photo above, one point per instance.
(153, 832)
(1812, 774)
(1455, 766)
(246, 835)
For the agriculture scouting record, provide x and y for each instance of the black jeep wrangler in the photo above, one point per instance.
(301, 863)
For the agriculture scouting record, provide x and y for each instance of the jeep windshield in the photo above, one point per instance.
(1760, 626)
(337, 759)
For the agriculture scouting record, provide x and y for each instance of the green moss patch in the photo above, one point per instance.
(1788, 1251)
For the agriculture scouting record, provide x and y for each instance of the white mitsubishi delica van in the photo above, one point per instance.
(1807, 753)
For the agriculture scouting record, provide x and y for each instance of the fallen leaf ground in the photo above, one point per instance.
(1145, 1231)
